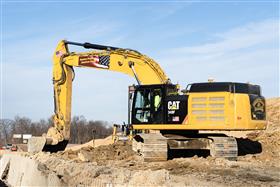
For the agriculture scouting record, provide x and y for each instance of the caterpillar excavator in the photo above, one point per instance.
(162, 116)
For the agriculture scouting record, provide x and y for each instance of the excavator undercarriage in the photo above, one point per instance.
(155, 147)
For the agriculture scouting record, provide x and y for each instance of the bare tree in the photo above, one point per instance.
(22, 125)
(6, 129)
(81, 129)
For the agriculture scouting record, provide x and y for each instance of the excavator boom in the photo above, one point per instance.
(127, 61)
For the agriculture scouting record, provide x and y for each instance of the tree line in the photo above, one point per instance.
(81, 130)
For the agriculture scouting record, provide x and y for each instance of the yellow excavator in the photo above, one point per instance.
(162, 116)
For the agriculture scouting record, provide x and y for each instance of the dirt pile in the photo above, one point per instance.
(100, 172)
(269, 138)
(101, 154)
(270, 142)
(93, 143)
(273, 114)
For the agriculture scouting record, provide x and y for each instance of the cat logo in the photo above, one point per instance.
(173, 105)
(258, 105)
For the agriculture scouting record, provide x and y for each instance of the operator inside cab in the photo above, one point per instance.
(157, 100)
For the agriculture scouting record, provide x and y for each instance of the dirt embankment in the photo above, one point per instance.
(92, 143)
(273, 114)
(269, 138)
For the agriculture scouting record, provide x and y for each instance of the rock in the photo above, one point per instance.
(84, 156)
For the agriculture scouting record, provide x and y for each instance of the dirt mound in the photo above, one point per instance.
(269, 138)
(93, 143)
(101, 154)
(270, 142)
(273, 114)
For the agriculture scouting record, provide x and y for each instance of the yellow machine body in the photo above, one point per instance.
(206, 111)
(214, 111)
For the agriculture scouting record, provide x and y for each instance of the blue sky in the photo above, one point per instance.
(191, 41)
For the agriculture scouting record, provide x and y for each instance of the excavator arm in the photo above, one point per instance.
(127, 61)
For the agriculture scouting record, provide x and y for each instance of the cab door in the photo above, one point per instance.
(147, 106)
(142, 111)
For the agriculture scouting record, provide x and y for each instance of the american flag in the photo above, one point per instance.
(58, 53)
(95, 61)
(175, 118)
(104, 60)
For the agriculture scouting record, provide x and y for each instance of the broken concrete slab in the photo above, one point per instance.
(19, 170)
(36, 144)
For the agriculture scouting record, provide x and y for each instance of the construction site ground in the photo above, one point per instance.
(102, 163)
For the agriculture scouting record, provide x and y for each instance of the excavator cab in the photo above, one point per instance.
(158, 104)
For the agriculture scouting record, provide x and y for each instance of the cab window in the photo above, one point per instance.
(143, 106)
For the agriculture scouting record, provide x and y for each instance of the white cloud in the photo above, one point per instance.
(236, 39)
(38, 50)
(164, 11)
(248, 53)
